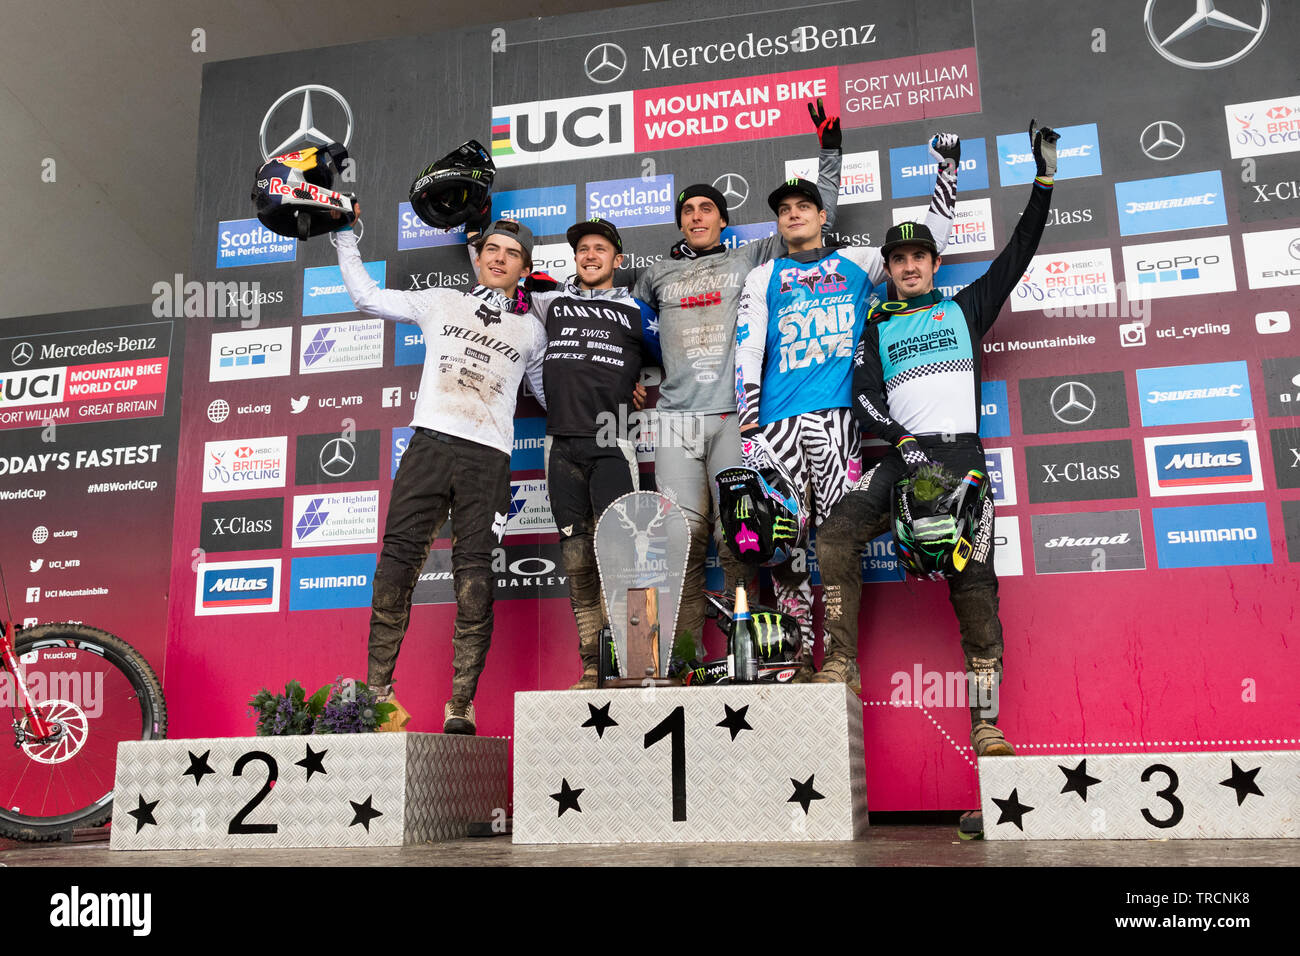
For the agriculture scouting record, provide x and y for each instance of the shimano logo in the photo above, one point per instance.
(333, 581)
(1206, 535)
(1154, 397)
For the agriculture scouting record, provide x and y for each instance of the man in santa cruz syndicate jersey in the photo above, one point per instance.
(477, 348)
(916, 384)
(695, 290)
(800, 316)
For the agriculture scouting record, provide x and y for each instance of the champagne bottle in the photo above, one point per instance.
(741, 657)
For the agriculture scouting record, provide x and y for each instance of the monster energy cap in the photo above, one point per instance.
(908, 234)
(794, 187)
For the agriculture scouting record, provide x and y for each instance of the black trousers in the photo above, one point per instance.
(441, 476)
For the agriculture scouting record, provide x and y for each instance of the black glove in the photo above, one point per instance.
(480, 219)
(1044, 141)
(913, 456)
(946, 150)
(828, 127)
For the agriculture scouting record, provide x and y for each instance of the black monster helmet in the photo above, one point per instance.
(295, 196)
(762, 519)
(934, 519)
(455, 189)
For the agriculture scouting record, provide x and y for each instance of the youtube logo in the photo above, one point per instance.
(1269, 322)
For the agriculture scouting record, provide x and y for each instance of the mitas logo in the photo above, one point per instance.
(549, 131)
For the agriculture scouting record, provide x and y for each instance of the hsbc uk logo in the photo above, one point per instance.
(549, 131)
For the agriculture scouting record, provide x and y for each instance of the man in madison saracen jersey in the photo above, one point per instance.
(916, 384)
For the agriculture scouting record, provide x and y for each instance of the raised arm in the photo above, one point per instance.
(982, 300)
(751, 344)
(366, 294)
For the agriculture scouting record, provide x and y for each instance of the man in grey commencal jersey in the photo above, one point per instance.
(696, 292)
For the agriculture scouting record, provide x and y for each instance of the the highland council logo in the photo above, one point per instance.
(307, 132)
(1171, 23)
(605, 63)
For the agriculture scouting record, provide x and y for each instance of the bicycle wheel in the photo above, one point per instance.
(100, 691)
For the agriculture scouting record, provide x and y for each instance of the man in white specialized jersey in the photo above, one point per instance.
(478, 346)
(800, 318)
(695, 291)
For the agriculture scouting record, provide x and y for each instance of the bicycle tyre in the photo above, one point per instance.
(44, 795)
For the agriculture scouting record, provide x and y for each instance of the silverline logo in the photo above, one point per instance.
(75, 908)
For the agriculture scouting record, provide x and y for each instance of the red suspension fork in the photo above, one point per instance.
(39, 728)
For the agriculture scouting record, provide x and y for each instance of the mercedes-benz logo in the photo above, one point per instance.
(605, 62)
(1162, 140)
(734, 188)
(1073, 403)
(22, 353)
(1293, 248)
(1205, 15)
(306, 134)
(337, 457)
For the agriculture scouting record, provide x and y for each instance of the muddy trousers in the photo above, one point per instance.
(582, 479)
(862, 515)
(441, 476)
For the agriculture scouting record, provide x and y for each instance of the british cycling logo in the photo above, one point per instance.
(1263, 127)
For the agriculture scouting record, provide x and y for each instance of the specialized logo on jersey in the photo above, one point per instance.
(823, 278)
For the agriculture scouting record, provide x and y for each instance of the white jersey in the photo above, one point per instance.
(477, 348)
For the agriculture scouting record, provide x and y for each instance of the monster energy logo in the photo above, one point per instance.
(767, 632)
(792, 182)
(783, 528)
(742, 509)
(905, 230)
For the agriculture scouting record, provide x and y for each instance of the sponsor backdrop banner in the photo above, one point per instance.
(1146, 528)
(90, 414)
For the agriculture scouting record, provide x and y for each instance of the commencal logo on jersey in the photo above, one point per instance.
(822, 278)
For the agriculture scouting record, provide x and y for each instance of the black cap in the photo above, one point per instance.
(794, 187)
(594, 227)
(908, 234)
(701, 189)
